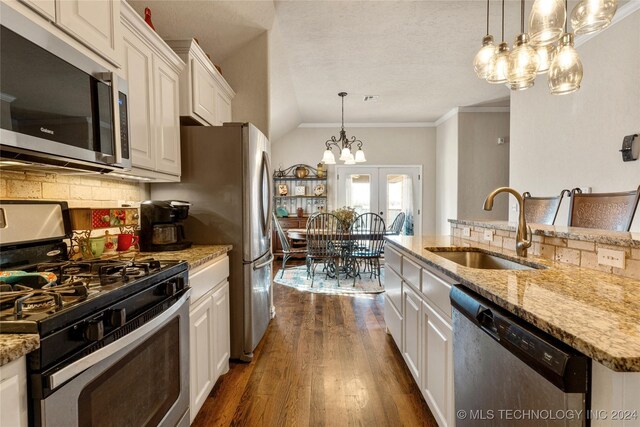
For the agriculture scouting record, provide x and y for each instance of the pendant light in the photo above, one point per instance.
(546, 20)
(523, 60)
(343, 144)
(565, 73)
(545, 56)
(482, 59)
(592, 15)
(499, 63)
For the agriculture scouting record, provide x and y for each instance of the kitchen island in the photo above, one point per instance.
(596, 313)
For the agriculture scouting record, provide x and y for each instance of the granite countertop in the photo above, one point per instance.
(606, 237)
(14, 346)
(196, 255)
(596, 313)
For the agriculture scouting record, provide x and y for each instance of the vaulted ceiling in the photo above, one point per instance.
(415, 55)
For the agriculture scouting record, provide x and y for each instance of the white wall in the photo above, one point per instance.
(247, 72)
(446, 174)
(573, 140)
(483, 165)
(383, 146)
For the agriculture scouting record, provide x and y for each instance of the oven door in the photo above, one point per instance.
(142, 379)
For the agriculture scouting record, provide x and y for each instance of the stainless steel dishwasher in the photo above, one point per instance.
(509, 373)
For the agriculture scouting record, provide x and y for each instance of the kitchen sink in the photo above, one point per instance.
(477, 258)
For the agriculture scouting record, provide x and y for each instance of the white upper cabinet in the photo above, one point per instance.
(205, 96)
(46, 8)
(95, 23)
(167, 119)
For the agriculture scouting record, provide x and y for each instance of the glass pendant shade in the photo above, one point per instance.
(328, 158)
(345, 153)
(483, 57)
(546, 21)
(360, 156)
(565, 73)
(523, 64)
(592, 15)
(545, 56)
(499, 65)
(350, 160)
(520, 85)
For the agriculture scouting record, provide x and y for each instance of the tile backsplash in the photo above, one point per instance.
(78, 190)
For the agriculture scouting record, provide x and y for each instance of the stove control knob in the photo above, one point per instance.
(170, 288)
(94, 331)
(116, 317)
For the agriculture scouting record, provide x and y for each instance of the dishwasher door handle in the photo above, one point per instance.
(487, 322)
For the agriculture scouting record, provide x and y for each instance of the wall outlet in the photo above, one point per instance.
(466, 232)
(611, 258)
(488, 235)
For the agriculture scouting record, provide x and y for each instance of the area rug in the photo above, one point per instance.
(296, 277)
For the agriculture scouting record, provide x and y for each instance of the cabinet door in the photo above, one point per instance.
(437, 365)
(93, 22)
(411, 331)
(223, 108)
(221, 341)
(167, 149)
(137, 66)
(201, 353)
(46, 8)
(204, 93)
(13, 393)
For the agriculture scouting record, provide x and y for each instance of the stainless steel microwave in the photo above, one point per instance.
(57, 106)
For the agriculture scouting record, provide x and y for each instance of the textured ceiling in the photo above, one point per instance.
(416, 55)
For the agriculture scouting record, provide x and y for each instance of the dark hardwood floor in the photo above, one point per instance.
(324, 361)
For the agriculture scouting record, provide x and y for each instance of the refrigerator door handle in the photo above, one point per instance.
(264, 264)
(266, 167)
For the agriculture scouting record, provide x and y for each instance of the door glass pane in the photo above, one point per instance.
(359, 192)
(400, 199)
(140, 388)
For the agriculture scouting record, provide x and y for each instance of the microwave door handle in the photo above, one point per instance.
(112, 80)
(68, 372)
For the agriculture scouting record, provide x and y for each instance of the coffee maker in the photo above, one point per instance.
(160, 226)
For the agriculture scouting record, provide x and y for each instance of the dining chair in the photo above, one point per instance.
(366, 237)
(324, 243)
(607, 211)
(287, 251)
(542, 210)
(396, 226)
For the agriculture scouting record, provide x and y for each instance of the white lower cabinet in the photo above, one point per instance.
(13, 393)
(424, 317)
(437, 365)
(208, 330)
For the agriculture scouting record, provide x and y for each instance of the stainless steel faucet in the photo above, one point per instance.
(524, 230)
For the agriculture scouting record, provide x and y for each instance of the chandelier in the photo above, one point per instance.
(548, 47)
(343, 144)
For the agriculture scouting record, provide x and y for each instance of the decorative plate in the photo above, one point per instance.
(319, 190)
(300, 190)
(283, 190)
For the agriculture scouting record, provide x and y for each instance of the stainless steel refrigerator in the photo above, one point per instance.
(226, 175)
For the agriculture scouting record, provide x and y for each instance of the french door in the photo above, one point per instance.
(385, 190)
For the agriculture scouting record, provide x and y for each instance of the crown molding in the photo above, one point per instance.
(624, 11)
(370, 125)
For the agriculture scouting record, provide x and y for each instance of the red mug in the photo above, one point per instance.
(125, 241)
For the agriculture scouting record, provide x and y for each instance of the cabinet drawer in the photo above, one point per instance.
(393, 319)
(204, 279)
(393, 258)
(289, 223)
(393, 287)
(411, 272)
(437, 291)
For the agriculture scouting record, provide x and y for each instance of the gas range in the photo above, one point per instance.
(58, 293)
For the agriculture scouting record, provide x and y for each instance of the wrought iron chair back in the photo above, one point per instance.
(607, 211)
(542, 210)
(366, 239)
(287, 251)
(396, 225)
(325, 242)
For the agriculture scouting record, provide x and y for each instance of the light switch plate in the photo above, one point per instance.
(611, 258)
(488, 235)
(466, 232)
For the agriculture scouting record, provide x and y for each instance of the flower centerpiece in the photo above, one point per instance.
(346, 215)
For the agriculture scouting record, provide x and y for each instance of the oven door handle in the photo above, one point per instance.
(68, 372)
